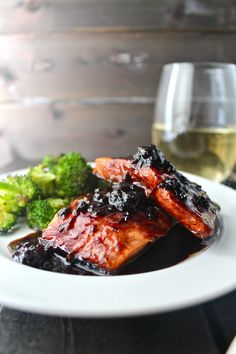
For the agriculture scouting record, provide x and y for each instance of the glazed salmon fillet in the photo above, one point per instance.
(182, 199)
(101, 232)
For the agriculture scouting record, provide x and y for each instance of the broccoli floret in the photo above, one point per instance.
(63, 176)
(45, 180)
(59, 177)
(9, 204)
(15, 192)
(7, 221)
(25, 189)
(72, 174)
(40, 212)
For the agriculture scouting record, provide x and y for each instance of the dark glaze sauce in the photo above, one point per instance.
(124, 197)
(127, 198)
(178, 245)
(189, 193)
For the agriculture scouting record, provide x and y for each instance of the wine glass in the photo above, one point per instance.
(195, 117)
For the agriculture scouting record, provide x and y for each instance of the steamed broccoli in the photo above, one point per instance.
(40, 212)
(7, 221)
(55, 178)
(63, 176)
(15, 192)
(25, 189)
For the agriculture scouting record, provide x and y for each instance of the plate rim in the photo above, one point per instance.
(19, 296)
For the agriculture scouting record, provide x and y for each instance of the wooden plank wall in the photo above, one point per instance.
(82, 74)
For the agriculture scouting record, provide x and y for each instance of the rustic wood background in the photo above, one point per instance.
(82, 74)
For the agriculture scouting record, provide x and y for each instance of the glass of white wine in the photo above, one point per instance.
(195, 117)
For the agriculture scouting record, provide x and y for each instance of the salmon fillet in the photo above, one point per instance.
(182, 199)
(103, 231)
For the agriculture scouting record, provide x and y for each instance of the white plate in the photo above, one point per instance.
(207, 275)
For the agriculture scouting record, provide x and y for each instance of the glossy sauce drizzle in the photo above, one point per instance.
(189, 193)
(126, 198)
(178, 245)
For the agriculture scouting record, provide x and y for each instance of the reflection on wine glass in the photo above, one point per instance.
(195, 117)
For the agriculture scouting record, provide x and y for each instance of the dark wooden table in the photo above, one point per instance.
(76, 71)
(204, 329)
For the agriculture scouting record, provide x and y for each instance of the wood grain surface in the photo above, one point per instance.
(82, 75)
(22, 333)
(59, 15)
(221, 317)
(75, 65)
(29, 133)
(63, 63)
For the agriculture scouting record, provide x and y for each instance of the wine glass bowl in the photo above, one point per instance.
(195, 117)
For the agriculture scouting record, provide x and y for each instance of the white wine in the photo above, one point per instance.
(208, 152)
